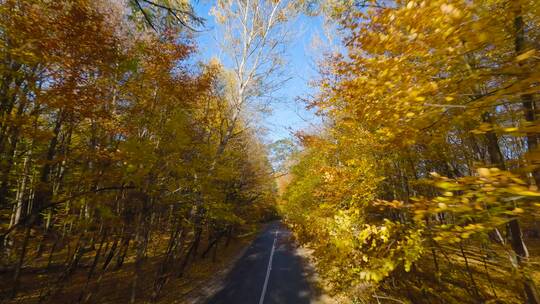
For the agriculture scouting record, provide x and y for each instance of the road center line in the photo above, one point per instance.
(261, 300)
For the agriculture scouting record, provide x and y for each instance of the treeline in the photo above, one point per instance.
(115, 147)
(423, 186)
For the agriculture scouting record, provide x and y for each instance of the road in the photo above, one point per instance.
(268, 273)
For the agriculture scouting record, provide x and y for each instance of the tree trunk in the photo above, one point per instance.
(18, 269)
(530, 105)
(529, 108)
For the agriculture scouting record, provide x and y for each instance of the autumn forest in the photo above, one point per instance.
(133, 171)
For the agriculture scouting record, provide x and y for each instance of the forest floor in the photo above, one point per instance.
(200, 280)
(488, 278)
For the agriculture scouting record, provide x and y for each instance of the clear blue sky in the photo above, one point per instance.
(288, 115)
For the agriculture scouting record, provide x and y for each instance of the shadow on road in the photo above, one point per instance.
(289, 278)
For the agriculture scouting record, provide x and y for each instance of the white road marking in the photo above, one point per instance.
(261, 300)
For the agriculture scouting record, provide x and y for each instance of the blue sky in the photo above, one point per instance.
(288, 115)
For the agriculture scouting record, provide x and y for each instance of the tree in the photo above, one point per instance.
(253, 36)
(422, 87)
(106, 137)
(162, 15)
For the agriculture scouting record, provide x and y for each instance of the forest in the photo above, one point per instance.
(115, 149)
(422, 186)
(130, 168)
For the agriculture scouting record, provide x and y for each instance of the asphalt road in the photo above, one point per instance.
(268, 273)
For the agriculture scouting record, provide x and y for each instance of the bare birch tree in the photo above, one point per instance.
(253, 36)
